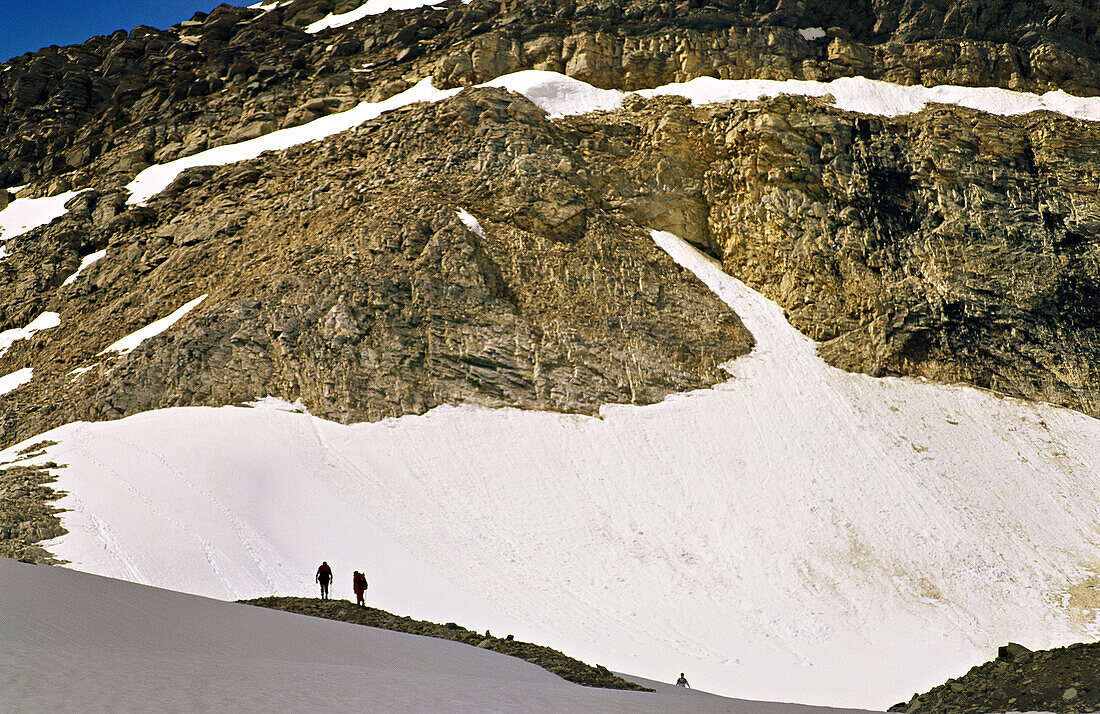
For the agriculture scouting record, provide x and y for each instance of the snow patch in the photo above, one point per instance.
(561, 96)
(79, 372)
(811, 33)
(45, 321)
(26, 214)
(84, 264)
(871, 96)
(129, 342)
(11, 382)
(155, 179)
(371, 7)
(279, 404)
(557, 94)
(470, 222)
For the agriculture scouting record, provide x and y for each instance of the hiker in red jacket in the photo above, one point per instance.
(359, 584)
(324, 576)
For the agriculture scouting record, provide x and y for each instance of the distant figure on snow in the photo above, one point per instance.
(681, 682)
(359, 584)
(324, 576)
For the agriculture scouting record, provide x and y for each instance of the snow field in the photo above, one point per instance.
(796, 533)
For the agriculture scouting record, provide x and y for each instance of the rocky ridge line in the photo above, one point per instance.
(551, 660)
(103, 110)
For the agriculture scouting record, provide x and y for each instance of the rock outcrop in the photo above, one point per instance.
(340, 273)
(27, 513)
(949, 244)
(549, 659)
(1066, 679)
(120, 102)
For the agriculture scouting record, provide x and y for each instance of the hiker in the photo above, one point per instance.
(324, 576)
(359, 584)
(681, 682)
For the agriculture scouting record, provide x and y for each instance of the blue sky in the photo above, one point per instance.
(28, 25)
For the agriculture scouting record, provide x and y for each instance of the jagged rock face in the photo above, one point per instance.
(339, 273)
(950, 244)
(109, 107)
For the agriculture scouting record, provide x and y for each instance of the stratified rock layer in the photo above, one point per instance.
(341, 274)
(950, 244)
(119, 102)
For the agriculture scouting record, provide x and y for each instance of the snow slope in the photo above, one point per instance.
(796, 533)
(72, 642)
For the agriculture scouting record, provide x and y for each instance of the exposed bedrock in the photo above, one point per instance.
(950, 244)
(101, 111)
(340, 273)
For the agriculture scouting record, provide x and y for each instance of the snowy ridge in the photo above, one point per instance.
(745, 534)
(560, 96)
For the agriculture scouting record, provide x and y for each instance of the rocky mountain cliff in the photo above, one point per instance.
(950, 244)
